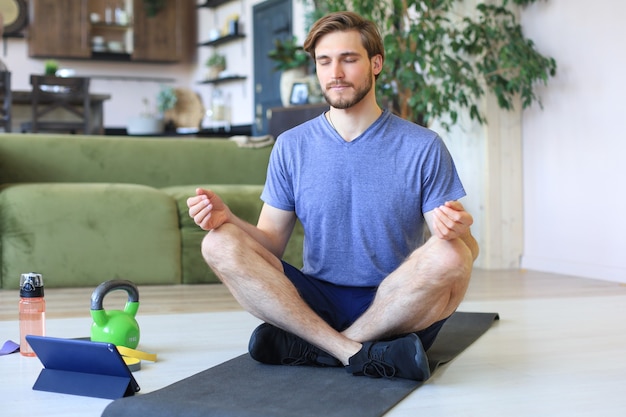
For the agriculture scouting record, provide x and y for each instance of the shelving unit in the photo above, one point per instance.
(232, 36)
(212, 4)
(223, 40)
(222, 31)
(123, 34)
(111, 21)
(222, 80)
(111, 56)
(112, 26)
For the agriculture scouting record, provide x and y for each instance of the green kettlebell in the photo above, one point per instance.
(115, 326)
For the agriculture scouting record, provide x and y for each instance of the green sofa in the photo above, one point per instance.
(85, 209)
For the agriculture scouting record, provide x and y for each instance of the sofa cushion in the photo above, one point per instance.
(245, 202)
(157, 162)
(84, 234)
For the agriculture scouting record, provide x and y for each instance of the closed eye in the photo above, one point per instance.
(347, 57)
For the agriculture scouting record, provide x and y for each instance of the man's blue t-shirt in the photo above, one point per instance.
(362, 202)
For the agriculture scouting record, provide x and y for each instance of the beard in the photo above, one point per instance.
(360, 91)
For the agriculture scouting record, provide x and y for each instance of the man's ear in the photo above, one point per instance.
(377, 64)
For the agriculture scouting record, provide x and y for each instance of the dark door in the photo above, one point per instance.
(272, 20)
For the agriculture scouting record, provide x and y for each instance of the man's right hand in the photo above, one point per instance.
(207, 209)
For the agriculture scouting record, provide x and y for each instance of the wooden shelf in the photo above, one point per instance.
(13, 35)
(110, 26)
(223, 79)
(211, 4)
(223, 40)
(162, 80)
(111, 56)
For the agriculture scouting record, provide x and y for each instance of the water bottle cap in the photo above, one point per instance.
(31, 285)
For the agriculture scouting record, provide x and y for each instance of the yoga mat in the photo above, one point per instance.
(242, 387)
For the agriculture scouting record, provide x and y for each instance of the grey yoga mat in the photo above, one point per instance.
(242, 387)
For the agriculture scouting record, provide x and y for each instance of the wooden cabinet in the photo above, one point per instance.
(232, 34)
(66, 29)
(59, 28)
(169, 36)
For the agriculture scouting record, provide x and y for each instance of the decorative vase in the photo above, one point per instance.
(144, 125)
(287, 78)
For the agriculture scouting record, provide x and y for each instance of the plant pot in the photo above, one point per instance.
(214, 72)
(144, 125)
(287, 78)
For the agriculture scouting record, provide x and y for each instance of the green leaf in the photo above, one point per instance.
(448, 59)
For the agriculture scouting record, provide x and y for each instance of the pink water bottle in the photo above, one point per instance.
(32, 309)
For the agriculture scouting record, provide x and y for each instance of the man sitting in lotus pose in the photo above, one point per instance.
(372, 294)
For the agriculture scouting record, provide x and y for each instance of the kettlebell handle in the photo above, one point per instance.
(97, 297)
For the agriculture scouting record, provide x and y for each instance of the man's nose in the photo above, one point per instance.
(336, 71)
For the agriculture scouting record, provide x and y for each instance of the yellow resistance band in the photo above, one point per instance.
(133, 356)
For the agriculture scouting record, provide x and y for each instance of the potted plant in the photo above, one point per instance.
(51, 67)
(287, 54)
(150, 122)
(293, 61)
(153, 7)
(166, 99)
(216, 63)
(442, 58)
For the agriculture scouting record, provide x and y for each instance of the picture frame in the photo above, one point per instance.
(299, 93)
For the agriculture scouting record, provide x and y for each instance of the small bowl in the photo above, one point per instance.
(115, 46)
(65, 72)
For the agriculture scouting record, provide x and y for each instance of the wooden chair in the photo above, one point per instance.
(64, 96)
(5, 100)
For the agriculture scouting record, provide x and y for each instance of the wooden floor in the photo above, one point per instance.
(559, 348)
(163, 299)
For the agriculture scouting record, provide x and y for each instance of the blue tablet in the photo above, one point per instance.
(82, 367)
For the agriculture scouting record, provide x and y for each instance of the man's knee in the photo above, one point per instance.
(451, 260)
(218, 243)
(459, 256)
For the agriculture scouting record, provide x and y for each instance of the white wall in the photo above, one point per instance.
(127, 96)
(574, 150)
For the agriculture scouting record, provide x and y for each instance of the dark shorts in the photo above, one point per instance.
(340, 305)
